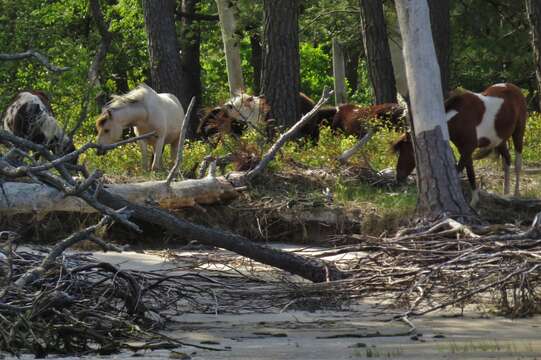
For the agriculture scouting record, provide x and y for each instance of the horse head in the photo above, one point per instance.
(109, 130)
(403, 147)
(248, 108)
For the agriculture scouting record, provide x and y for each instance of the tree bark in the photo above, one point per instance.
(380, 66)
(441, 32)
(352, 66)
(190, 44)
(165, 65)
(339, 73)
(281, 60)
(227, 11)
(256, 60)
(440, 194)
(533, 9)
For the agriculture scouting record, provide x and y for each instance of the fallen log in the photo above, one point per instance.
(17, 197)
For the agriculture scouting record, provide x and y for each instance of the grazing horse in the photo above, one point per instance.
(30, 116)
(147, 111)
(485, 121)
(354, 119)
(252, 111)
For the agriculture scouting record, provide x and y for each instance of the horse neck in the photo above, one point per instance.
(133, 114)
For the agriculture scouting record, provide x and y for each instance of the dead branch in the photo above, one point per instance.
(271, 153)
(32, 53)
(178, 159)
(346, 155)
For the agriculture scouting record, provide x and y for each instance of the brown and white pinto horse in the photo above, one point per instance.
(30, 116)
(485, 121)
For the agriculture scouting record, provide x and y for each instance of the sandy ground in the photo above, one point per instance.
(358, 333)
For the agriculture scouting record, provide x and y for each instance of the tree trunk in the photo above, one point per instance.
(256, 60)
(190, 60)
(441, 32)
(533, 9)
(41, 199)
(281, 61)
(339, 73)
(227, 11)
(165, 65)
(440, 194)
(352, 66)
(378, 55)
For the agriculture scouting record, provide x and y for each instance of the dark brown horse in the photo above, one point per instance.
(485, 121)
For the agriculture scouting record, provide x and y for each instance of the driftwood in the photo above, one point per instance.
(18, 197)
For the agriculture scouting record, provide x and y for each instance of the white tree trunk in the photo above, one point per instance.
(227, 12)
(439, 192)
(422, 69)
(339, 73)
(20, 197)
(397, 57)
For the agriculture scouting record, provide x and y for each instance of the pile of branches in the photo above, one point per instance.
(448, 265)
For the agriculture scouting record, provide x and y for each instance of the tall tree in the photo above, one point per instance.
(441, 33)
(380, 66)
(281, 60)
(439, 192)
(227, 11)
(190, 44)
(533, 9)
(339, 72)
(165, 65)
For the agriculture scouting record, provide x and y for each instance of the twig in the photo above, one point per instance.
(178, 160)
(40, 57)
(344, 157)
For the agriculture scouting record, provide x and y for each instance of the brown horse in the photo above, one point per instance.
(485, 121)
(355, 120)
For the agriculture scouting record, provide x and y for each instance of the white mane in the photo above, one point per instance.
(140, 93)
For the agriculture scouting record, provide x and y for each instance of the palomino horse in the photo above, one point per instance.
(486, 121)
(245, 111)
(147, 111)
(29, 115)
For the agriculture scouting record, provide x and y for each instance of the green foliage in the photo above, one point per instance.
(316, 70)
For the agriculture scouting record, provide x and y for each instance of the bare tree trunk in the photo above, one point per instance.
(165, 65)
(339, 73)
(380, 66)
(441, 32)
(533, 9)
(281, 62)
(440, 194)
(227, 11)
(190, 44)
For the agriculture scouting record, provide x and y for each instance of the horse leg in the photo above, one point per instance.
(144, 154)
(174, 151)
(158, 150)
(506, 163)
(518, 137)
(467, 162)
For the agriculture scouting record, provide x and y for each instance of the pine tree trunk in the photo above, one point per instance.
(439, 189)
(256, 60)
(533, 9)
(281, 60)
(190, 60)
(165, 66)
(352, 66)
(380, 67)
(227, 12)
(339, 73)
(441, 30)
